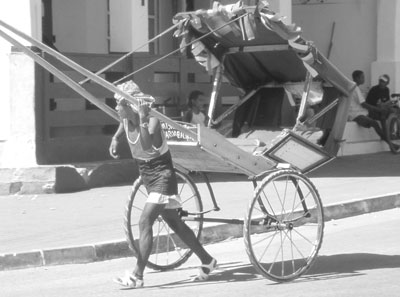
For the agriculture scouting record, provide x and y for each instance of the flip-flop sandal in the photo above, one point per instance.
(203, 276)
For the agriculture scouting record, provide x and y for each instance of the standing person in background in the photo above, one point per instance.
(195, 113)
(149, 147)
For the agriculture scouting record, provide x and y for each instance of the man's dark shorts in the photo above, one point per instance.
(158, 175)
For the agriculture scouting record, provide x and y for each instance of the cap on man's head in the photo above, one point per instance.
(385, 78)
(130, 87)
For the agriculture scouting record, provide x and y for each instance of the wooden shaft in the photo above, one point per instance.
(235, 106)
(131, 52)
(214, 94)
(97, 79)
(303, 103)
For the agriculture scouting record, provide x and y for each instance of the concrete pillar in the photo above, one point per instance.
(388, 44)
(18, 146)
(166, 13)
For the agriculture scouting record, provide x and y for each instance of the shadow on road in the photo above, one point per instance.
(226, 272)
(353, 263)
(325, 267)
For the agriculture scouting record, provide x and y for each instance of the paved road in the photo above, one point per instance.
(45, 222)
(360, 256)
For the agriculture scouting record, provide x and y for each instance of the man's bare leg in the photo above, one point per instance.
(149, 214)
(186, 234)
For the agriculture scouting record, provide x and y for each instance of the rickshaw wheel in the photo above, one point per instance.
(284, 224)
(168, 250)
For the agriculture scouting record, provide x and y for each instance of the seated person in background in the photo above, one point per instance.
(358, 110)
(379, 93)
(195, 114)
(379, 97)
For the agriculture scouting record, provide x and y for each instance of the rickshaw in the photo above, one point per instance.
(253, 49)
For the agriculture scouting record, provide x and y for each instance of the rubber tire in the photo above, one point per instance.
(251, 224)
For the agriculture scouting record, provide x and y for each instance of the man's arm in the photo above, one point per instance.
(150, 134)
(115, 141)
(370, 107)
(387, 94)
(187, 116)
(119, 131)
(150, 128)
(370, 96)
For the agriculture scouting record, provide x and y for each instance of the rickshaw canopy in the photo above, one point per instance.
(254, 46)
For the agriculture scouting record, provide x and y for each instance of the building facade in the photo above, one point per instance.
(353, 34)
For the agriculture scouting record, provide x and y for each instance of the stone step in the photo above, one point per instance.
(358, 140)
(45, 179)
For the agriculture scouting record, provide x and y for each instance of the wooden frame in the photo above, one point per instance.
(298, 152)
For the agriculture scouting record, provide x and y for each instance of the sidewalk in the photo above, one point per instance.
(87, 226)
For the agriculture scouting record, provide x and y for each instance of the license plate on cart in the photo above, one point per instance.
(174, 135)
(298, 152)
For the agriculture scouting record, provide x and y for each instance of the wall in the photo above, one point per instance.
(5, 87)
(354, 39)
(88, 32)
(167, 44)
(17, 14)
(84, 136)
(125, 18)
(80, 26)
(388, 43)
(17, 114)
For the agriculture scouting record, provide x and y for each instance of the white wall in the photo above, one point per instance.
(80, 26)
(120, 21)
(388, 43)
(23, 15)
(128, 26)
(5, 88)
(354, 40)
(140, 25)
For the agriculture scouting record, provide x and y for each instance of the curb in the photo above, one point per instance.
(67, 255)
(120, 249)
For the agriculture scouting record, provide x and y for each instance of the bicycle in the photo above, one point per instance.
(393, 120)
